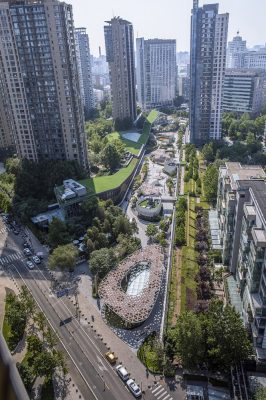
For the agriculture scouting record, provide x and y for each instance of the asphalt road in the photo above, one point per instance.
(85, 351)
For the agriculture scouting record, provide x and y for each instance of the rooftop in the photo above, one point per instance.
(143, 272)
(237, 172)
(258, 192)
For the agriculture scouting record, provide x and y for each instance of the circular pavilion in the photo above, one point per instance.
(130, 290)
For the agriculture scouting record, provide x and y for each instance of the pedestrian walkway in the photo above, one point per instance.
(11, 258)
(160, 393)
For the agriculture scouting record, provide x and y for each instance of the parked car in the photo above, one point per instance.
(36, 260)
(134, 388)
(122, 372)
(27, 251)
(16, 232)
(111, 357)
(30, 264)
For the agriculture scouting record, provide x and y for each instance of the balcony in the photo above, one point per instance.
(259, 237)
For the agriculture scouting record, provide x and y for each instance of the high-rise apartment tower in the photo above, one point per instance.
(39, 74)
(119, 43)
(156, 72)
(207, 68)
(85, 70)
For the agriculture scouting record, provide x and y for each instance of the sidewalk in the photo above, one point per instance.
(125, 354)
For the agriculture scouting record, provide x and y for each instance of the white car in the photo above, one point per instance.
(27, 251)
(36, 260)
(122, 372)
(134, 388)
(30, 264)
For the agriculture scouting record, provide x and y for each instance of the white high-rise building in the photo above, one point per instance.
(156, 72)
(235, 51)
(244, 90)
(85, 71)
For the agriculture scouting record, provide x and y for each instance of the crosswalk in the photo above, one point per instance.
(11, 257)
(4, 230)
(160, 393)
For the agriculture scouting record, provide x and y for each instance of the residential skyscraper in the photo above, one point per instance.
(85, 70)
(39, 73)
(207, 67)
(119, 43)
(235, 50)
(156, 72)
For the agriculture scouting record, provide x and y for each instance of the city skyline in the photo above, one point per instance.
(169, 22)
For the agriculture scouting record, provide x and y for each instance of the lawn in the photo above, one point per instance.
(189, 261)
(132, 147)
(103, 183)
(152, 116)
(172, 292)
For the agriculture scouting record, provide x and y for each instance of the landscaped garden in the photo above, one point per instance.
(149, 203)
(108, 182)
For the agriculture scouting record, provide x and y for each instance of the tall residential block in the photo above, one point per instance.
(207, 67)
(244, 90)
(85, 70)
(235, 50)
(156, 72)
(39, 72)
(233, 191)
(119, 43)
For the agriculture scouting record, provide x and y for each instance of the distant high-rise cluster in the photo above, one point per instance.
(207, 68)
(40, 108)
(156, 72)
(119, 43)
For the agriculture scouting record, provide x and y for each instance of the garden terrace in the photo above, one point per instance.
(131, 289)
(149, 207)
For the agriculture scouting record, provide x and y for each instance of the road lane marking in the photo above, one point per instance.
(156, 388)
(160, 391)
(163, 394)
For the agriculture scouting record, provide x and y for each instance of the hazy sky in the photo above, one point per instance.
(168, 19)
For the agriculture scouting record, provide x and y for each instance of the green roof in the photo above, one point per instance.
(132, 147)
(103, 183)
(153, 115)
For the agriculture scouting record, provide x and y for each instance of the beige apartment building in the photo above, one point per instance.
(39, 73)
(119, 43)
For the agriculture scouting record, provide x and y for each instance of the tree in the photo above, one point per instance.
(89, 207)
(227, 340)
(102, 261)
(170, 185)
(187, 340)
(210, 181)
(44, 364)
(151, 231)
(122, 225)
(58, 233)
(41, 322)
(27, 301)
(64, 257)
(216, 338)
(26, 375)
(260, 394)
(127, 245)
(110, 156)
(208, 152)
